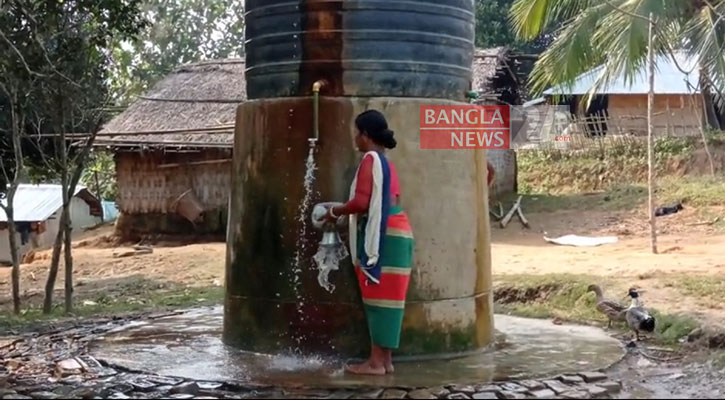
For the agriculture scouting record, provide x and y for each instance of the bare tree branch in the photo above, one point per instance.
(20, 54)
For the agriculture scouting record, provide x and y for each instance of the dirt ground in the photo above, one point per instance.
(691, 251)
(99, 273)
(683, 278)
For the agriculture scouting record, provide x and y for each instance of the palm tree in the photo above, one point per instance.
(614, 33)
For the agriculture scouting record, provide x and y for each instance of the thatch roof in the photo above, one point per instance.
(488, 64)
(200, 97)
(500, 75)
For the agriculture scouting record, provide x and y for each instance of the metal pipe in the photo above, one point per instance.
(316, 110)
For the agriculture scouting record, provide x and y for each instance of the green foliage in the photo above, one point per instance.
(608, 164)
(715, 137)
(493, 28)
(614, 33)
(100, 175)
(181, 32)
(565, 296)
(54, 73)
(670, 328)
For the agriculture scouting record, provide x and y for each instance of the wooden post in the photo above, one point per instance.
(650, 138)
(98, 193)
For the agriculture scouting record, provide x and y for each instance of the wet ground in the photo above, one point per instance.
(189, 345)
(57, 362)
(696, 376)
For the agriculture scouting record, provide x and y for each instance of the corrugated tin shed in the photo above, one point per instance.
(668, 79)
(34, 203)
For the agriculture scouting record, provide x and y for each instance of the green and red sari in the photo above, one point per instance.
(383, 254)
(385, 302)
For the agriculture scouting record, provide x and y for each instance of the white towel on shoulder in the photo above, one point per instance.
(375, 213)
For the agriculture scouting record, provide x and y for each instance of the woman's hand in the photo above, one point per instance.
(330, 215)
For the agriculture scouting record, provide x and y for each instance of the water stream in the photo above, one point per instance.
(302, 215)
(328, 259)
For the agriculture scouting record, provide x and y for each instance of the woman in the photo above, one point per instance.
(381, 241)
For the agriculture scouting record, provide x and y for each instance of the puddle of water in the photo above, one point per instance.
(190, 346)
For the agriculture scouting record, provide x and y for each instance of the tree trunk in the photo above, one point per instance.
(68, 265)
(650, 139)
(54, 263)
(67, 196)
(98, 194)
(14, 256)
(15, 131)
(709, 102)
(68, 182)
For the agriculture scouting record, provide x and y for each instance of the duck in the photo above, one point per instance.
(614, 311)
(638, 318)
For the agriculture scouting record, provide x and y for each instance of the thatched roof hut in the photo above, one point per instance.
(173, 151)
(497, 80)
(497, 76)
(194, 106)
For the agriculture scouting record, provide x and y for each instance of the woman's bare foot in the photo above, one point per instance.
(366, 368)
(389, 368)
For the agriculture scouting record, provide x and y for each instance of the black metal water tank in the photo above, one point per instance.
(405, 48)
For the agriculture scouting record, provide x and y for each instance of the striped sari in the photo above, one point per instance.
(384, 303)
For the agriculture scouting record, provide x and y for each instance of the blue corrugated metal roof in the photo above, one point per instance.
(668, 79)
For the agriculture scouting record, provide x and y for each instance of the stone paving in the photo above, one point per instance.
(55, 364)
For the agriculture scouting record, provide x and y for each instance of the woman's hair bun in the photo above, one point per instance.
(388, 139)
(372, 123)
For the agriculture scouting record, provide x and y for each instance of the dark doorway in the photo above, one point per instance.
(597, 116)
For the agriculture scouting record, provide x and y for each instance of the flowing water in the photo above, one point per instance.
(302, 214)
(328, 259)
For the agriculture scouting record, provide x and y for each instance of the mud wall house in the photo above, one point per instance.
(173, 151)
(620, 108)
(37, 211)
(496, 79)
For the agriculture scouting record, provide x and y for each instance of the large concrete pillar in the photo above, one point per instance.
(273, 300)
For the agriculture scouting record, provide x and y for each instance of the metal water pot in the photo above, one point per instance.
(320, 210)
(330, 238)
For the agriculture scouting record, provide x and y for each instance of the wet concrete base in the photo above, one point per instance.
(54, 361)
(190, 346)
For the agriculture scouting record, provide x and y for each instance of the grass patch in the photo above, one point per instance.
(671, 328)
(565, 296)
(705, 191)
(706, 290)
(694, 190)
(562, 296)
(700, 286)
(613, 164)
(103, 305)
(598, 164)
(616, 199)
